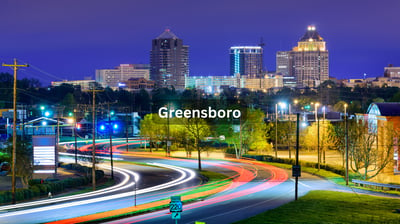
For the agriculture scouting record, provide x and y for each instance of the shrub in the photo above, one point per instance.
(267, 158)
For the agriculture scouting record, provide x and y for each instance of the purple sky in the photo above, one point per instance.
(70, 39)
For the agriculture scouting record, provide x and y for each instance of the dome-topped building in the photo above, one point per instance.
(307, 65)
(311, 34)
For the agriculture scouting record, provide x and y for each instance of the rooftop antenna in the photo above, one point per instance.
(261, 44)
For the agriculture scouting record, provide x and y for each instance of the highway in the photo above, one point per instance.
(256, 188)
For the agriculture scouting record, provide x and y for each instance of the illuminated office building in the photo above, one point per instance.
(113, 78)
(307, 63)
(247, 61)
(169, 61)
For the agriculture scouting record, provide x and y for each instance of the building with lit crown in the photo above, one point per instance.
(169, 61)
(246, 61)
(307, 63)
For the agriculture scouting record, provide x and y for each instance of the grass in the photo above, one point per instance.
(332, 207)
(336, 178)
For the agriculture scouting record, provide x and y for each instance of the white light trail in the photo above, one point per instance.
(186, 175)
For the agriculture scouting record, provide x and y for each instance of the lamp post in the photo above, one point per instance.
(318, 150)
(110, 130)
(276, 130)
(75, 133)
(347, 144)
(323, 134)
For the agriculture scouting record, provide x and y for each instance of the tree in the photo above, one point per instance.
(153, 127)
(253, 130)
(368, 156)
(23, 166)
(310, 140)
(198, 129)
(338, 139)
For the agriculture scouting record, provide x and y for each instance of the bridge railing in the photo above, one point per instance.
(374, 185)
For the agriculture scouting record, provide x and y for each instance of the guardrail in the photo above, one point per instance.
(376, 185)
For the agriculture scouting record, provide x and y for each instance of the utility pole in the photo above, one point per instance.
(94, 136)
(58, 108)
(14, 152)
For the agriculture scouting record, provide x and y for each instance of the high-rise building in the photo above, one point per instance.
(284, 64)
(307, 63)
(169, 61)
(246, 61)
(114, 77)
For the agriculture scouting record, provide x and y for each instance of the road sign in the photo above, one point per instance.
(176, 204)
(176, 215)
(296, 171)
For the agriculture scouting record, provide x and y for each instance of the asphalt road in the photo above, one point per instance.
(150, 176)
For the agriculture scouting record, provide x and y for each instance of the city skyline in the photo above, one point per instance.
(70, 40)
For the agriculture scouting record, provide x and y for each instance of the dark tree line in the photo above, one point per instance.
(30, 92)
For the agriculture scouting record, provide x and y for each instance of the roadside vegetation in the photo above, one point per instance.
(332, 207)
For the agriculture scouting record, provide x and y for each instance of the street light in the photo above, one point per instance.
(282, 105)
(323, 134)
(316, 119)
(347, 144)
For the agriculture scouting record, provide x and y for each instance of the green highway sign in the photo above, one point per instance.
(176, 204)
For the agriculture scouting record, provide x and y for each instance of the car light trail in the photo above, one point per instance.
(278, 176)
(122, 185)
(186, 175)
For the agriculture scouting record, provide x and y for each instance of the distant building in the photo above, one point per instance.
(216, 84)
(84, 84)
(284, 66)
(139, 83)
(269, 81)
(169, 61)
(114, 77)
(372, 82)
(392, 72)
(246, 61)
(212, 84)
(308, 62)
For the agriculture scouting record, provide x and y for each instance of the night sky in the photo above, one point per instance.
(70, 39)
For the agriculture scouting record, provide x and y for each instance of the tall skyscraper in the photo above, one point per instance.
(307, 63)
(246, 61)
(169, 61)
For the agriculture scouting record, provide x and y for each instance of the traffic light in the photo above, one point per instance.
(102, 127)
(70, 114)
(78, 126)
(115, 126)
